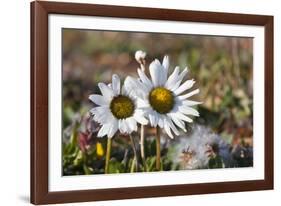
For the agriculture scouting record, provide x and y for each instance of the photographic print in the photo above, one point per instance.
(130, 102)
(135, 102)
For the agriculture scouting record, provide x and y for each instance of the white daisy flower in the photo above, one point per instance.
(117, 109)
(165, 99)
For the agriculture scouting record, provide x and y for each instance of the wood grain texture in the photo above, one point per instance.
(39, 102)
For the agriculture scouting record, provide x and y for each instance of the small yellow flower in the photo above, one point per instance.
(100, 151)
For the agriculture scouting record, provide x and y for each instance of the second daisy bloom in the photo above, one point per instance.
(163, 98)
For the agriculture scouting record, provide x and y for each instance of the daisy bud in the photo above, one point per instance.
(140, 56)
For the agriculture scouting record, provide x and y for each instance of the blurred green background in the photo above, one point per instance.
(221, 66)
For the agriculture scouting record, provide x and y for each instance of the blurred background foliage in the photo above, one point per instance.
(221, 66)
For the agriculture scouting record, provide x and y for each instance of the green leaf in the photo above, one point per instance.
(79, 159)
(151, 164)
(116, 167)
(216, 162)
(87, 170)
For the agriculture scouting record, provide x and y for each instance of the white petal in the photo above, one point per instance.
(183, 117)
(161, 120)
(179, 79)
(102, 114)
(166, 65)
(172, 126)
(142, 103)
(139, 117)
(152, 120)
(158, 120)
(185, 96)
(156, 73)
(190, 103)
(129, 85)
(167, 129)
(178, 122)
(134, 87)
(125, 127)
(185, 86)
(141, 88)
(106, 91)
(116, 84)
(182, 74)
(144, 78)
(172, 79)
(166, 62)
(124, 91)
(104, 130)
(113, 129)
(131, 122)
(121, 126)
(188, 110)
(98, 99)
(156, 117)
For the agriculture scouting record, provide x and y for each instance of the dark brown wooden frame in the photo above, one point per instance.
(39, 101)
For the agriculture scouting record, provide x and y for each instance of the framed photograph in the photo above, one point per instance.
(131, 102)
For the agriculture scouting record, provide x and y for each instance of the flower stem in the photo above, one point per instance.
(107, 158)
(158, 149)
(135, 153)
(142, 147)
(142, 64)
(133, 164)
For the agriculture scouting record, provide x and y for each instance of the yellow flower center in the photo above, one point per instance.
(161, 100)
(122, 107)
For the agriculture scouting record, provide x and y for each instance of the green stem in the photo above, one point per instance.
(158, 149)
(133, 165)
(142, 64)
(142, 147)
(135, 153)
(107, 158)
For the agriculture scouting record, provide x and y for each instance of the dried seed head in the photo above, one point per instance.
(140, 56)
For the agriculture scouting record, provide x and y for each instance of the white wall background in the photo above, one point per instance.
(14, 102)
